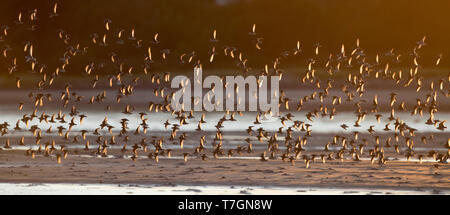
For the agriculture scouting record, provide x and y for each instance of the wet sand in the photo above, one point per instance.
(16, 168)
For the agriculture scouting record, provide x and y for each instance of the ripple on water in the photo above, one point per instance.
(115, 189)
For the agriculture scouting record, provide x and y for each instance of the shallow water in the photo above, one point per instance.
(129, 189)
(156, 122)
(141, 157)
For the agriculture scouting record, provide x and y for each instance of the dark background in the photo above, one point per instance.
(187, 25)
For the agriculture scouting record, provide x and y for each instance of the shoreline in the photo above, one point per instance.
(222, 172)
(208, 189)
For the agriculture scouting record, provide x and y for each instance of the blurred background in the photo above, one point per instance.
(187, 25)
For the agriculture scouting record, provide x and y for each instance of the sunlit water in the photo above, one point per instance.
(156, 122)
(320, 125)
(127, 189)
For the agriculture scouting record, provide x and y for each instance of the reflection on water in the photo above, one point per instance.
(141, 157)
(120, 189)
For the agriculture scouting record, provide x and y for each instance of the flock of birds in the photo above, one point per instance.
(125, 78)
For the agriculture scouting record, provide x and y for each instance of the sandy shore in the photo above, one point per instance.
(16, 168)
